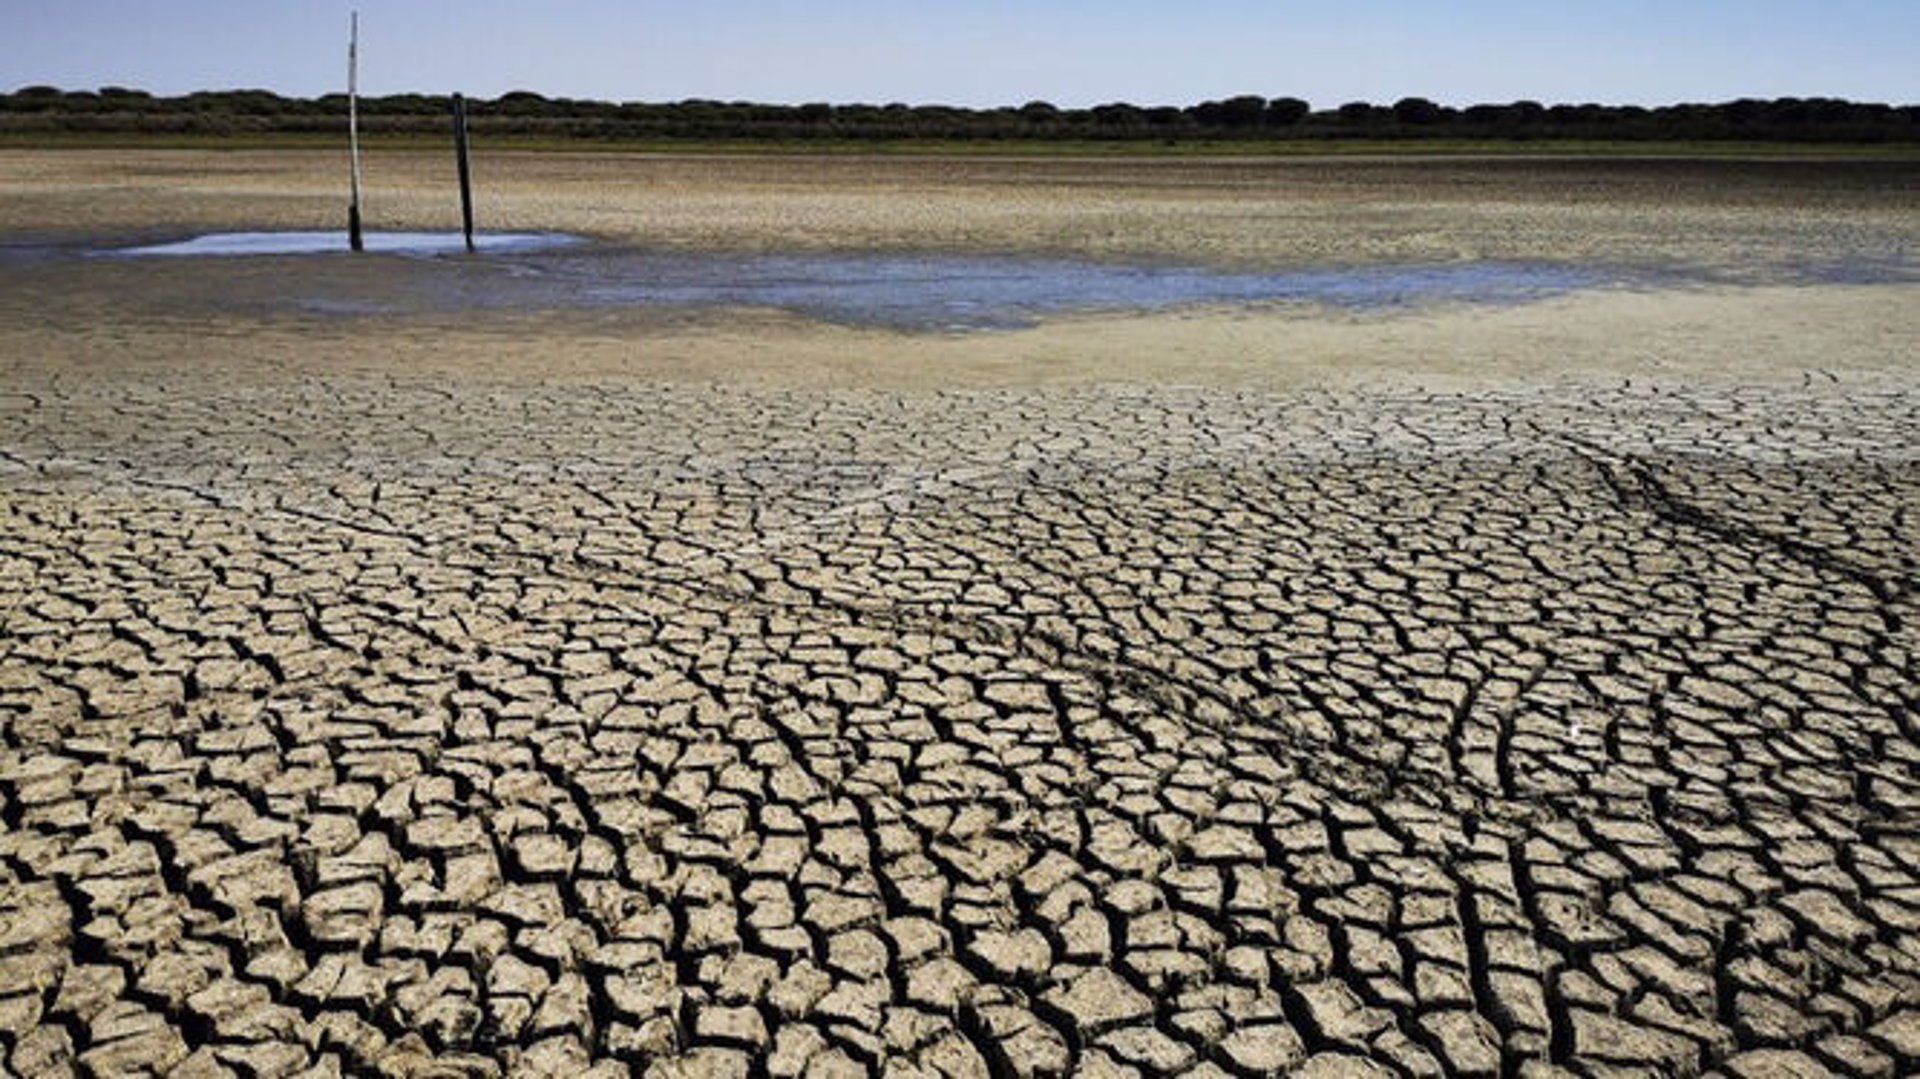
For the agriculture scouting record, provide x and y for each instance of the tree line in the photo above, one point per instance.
(119, 110)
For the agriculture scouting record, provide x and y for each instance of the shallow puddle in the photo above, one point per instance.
(933, 292)
(312, 272)
(333, 241)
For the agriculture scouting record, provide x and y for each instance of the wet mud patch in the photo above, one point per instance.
(311, 273)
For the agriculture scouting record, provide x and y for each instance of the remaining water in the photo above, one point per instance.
(969, 291)
(334, 241)
(432, 271)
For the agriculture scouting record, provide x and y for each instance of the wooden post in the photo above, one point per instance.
(354, 240)
(466, 172)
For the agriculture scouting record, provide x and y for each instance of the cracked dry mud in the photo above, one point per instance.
(368, 725)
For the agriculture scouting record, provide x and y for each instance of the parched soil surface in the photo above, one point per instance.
(1526, 691)
(391, 725)
(1742, 217)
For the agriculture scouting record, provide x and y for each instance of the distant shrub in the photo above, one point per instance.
(118, 109)
(1235, 113)
(1287, 111)
(1417, 111)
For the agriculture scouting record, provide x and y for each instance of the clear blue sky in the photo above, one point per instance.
(986, 52)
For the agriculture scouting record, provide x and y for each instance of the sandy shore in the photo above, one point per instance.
(1456, 690)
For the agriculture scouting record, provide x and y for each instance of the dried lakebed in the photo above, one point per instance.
(377, 724)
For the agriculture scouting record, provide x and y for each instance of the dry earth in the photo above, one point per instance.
(1515, 692)
(1736, 216)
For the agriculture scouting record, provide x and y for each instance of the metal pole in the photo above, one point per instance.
(466, 172)
(353, 133)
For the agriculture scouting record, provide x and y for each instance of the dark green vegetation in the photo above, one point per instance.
(40, 111)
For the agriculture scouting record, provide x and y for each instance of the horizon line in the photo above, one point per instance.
(116, 88)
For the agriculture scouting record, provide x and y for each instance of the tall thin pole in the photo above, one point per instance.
(466, 173)
(353, 132)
